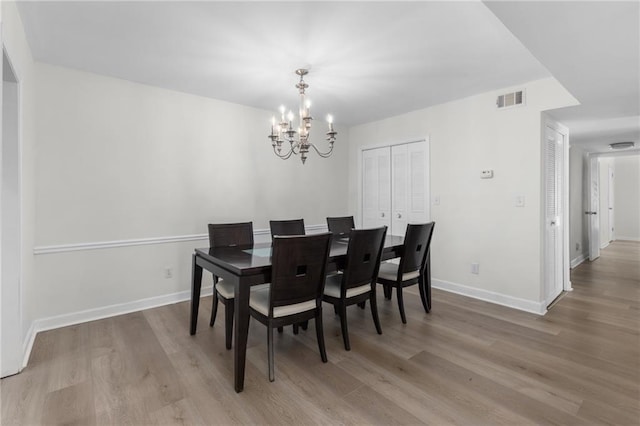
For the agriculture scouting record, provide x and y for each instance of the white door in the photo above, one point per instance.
(409, 185)
(594, 206)
(610, 205)
(376, 188)
(553, 214)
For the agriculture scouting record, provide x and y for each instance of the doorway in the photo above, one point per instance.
(614, 199)
(611, 226)
(556, 248)
(10, 225)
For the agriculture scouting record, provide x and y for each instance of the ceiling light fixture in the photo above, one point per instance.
(298, 140)
(621, 145)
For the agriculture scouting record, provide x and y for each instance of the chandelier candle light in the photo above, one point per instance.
(298, 140)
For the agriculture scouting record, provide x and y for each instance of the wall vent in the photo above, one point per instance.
(510, 99)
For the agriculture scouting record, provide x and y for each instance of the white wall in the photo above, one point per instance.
(119, 160)
(15, 43)
(603, 212)
(477, 220)
(627, 198)
(578, 223)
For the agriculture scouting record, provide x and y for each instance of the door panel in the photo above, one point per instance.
(594, 201)
(418, 207)
(610, 205)
(401, 189)
(376, 188)
(553, 214)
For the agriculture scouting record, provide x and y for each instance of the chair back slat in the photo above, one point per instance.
(363, 257)
(230, 234)
(417, 240)
(299, 266)
(340, 226)
(287, 227)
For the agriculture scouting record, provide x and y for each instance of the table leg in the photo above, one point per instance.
(424, 284)
(241, 333)
(196, 284)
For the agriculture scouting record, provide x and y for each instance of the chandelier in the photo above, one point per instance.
(298, 139)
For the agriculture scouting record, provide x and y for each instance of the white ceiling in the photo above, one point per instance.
(368, 60)
(593, 49)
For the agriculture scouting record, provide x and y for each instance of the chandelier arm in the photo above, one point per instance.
(283, 156)
(322, 154)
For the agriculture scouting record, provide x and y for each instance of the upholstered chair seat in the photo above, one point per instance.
(333, 283)
(389, 271)
(259, 300)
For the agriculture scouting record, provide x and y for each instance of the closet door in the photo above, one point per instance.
(409, 177)
(400, 189)
(376, 188)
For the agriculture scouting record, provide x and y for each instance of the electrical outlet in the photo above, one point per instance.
(577, 246)
(475, 268)
(168, 272)
(519, 200)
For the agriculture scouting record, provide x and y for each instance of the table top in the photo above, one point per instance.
(255, 259)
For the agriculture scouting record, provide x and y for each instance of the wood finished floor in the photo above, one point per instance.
(468, 362)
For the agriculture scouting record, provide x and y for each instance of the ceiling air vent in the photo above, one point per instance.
(510, 99)
(621, 145)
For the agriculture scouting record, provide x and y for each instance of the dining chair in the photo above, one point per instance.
(295, 293)
(284, 228)
(411, 268)
(227, 235)
(357, 282)
(287, 227)
(340, 226)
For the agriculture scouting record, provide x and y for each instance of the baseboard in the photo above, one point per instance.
(58, 321)
(28, 345)
(538, 308)
(578, 260)
(621, 238)
(604, 245)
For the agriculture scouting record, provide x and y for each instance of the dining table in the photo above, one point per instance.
(246, 266)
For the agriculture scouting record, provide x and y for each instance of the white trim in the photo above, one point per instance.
(578, 260)
(605, 245)
(79, 317)
(539, 308)
(623, 238)
(390, 144)
(17, 74)
(63, 248)
(27, 345)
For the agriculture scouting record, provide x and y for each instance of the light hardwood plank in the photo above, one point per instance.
(468, 362)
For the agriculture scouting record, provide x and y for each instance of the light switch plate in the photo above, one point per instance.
(519, 200)
(436, 200)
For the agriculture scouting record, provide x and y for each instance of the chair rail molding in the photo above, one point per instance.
(261, 235)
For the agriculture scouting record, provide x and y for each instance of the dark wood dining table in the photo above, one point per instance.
(251, 265)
